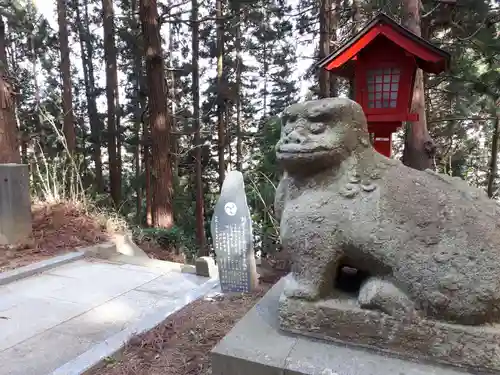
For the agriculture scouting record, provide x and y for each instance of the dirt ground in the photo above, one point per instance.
(181, 345)
(61, 228)
(57, 229)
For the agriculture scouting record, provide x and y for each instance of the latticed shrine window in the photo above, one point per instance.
(383, 85)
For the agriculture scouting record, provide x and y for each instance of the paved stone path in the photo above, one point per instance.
(49, 320)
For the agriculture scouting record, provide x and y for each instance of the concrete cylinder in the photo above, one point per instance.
(15, 204)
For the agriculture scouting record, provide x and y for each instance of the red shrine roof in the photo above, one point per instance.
(428, 57)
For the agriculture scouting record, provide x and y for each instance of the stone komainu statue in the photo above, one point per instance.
(429, 243)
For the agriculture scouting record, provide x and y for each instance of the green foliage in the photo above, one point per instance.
(277, 38)
(174, 239)
(261, 184)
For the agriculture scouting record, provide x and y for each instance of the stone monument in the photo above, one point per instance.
(15, 204)
(231, 229)
(422, 249)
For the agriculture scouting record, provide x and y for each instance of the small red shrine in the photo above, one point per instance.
(383, 59)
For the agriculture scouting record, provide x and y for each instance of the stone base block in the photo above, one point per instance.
(125, 245)
(257, 346)
(15, 204)
(341, 320)
(205, 266)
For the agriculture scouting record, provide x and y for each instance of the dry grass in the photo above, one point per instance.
(181, 345)
(57, 229)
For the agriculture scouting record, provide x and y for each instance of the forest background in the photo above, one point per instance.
(140, 107)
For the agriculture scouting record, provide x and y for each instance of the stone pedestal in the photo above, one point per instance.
(15, 204)
(340, 319)
(256, 345)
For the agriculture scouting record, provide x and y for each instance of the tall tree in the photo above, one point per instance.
(139, 107)
(87, 55)
(239, 69)
(171, 86)
(112, 100)
(9, 149)
(494, 156)
(147, 162)
(67, 102)
(324, 45)
(195, 55)
(265, 38)
(159, 119)
(419, 150)
(335, 11)
(221, 90)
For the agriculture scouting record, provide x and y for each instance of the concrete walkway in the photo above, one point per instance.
(49, 323)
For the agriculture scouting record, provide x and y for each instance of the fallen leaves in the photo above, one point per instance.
(57, 229)
(181, 345)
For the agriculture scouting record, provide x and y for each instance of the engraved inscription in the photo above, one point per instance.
(232, 236)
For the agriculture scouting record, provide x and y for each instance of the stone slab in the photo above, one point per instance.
(38, 303)
(36, 356)
(153, 264)
(96, 354)
(7, 300)
(472, 347)
(116, 253)
(35, 268)
(256, 345)
(113, 316)
(38, 286)
(173, 285)
(157, 271)
(33, 316)
(105, 273)
(15, 204)
(51, 322)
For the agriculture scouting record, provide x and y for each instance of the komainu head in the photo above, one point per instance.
(321, 134)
